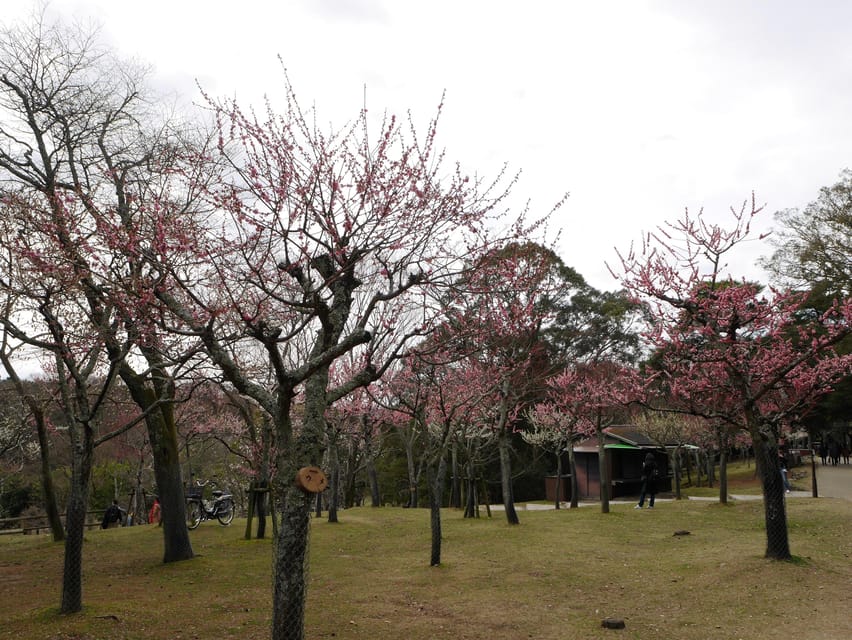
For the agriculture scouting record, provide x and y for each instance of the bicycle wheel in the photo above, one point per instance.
(193, 514)
(226, 513)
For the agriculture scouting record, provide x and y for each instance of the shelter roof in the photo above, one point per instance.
(632, 436)
(619, 437)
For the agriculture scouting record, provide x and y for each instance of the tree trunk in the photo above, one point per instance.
(689, 469)
(506, 477)
(814, 487)
(162, 433)
(487, 497)
(75, 521)
(505, 460)
(259, 487)
(349, 473)
(470, 508)
(711, 469)
(603, 471)
(455, 487)
(154, 395)
(572, 469)
(723, 475)
(346, 471)
(167, 471)
(677, 476)
(260, 498)
(48, 490)
(139, 506)
(558, 479)
(437, 492)
(775, 514)
(250, 509)
(373, 479)
(412, 476)
(333, 479)
(264, 499)
(372, 475)
(290, 563)
(189, 472)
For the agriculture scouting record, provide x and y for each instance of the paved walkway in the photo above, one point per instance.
(832, 482)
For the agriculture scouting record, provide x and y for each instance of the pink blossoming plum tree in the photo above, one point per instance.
(86, 163)
(327, 243)
(498, 320)
(595, 395)
(730, 352)
(556, 432)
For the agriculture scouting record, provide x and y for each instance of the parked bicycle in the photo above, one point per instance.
(198, 509)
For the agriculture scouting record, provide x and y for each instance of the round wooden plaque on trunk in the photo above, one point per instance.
(311, 479)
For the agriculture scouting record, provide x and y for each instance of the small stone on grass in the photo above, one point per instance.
(612, 623)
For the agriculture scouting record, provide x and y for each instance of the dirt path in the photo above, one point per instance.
(834, 482)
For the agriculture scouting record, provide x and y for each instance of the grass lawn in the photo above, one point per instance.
(557, 575)
(742, 479)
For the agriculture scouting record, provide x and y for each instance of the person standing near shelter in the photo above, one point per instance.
(782, 462)
(650, 473)
(823, 452)
(834, 453)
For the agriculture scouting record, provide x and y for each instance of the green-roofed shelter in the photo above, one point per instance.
(625, 448)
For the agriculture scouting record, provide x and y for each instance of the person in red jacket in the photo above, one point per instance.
(155, 514)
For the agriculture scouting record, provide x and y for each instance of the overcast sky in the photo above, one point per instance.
(636, 109)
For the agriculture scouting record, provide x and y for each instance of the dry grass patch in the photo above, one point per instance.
(557, 575)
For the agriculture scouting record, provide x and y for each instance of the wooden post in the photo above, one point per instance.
(250, 514)
(813, 475)
(273, 512)
(485, 496)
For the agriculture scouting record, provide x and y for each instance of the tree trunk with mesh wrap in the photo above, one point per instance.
(75, 518)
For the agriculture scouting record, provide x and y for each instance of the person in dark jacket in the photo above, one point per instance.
(112, 516)
(823, 452)
(650, 473)
(834, 453)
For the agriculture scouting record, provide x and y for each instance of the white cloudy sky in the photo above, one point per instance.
(637, 109)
